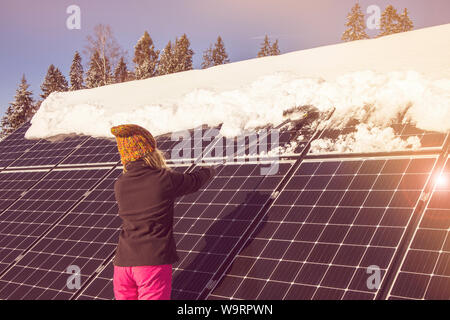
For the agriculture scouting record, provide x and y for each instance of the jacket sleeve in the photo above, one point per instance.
(185, 183)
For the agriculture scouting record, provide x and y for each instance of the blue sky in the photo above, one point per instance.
(33, 34)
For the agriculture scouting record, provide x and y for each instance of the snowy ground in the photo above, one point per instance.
(371, 80)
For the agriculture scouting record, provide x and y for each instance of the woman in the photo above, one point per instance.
(145, 194)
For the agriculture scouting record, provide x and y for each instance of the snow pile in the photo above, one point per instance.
(366, 139)
(403, 76)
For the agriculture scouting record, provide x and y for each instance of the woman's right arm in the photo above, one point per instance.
(185, 183)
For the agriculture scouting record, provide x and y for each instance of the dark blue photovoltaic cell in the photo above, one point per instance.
(32, 216)
(332, 220)
(48, 153)
(13, 183)
(94, 150)
(425, 271)
(101, 286)
(14, 145)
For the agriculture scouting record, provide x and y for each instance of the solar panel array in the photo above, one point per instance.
(298, 228)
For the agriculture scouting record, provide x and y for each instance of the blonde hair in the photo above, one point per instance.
(155, 160)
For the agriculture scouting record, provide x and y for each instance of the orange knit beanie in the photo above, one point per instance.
(133, 142)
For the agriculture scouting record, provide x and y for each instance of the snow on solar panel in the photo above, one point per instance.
(428, 139)
(34, 220)
(289, 138)
(425, 270)
(409, 137)
(14, 145)
(331, 222)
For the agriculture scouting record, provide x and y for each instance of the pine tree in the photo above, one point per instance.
(76, 73)
(275, 50)
(214, 56)
(167, 62)
(183, 54)
(5, 123)
(20, 110)
(389, 21)
(265, 48)
(99, 73)
(131, 76)
(54, 81)
(207, 61)
(219, 54)
(405, 23)
(355, 25)
(121, 72)
(145, 58)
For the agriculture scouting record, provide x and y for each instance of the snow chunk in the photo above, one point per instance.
(366, 138)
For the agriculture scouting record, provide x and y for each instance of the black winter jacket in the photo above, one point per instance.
(145, 197)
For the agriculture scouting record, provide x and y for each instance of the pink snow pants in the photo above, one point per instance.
(143, 282)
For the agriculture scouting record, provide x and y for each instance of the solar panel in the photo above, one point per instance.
(12, 184)
(207, 231)
(30, 222)
(14, 145)
(48, 153)
(250, 145)
(101, 287)
(94, 151)
(188, 145)
(425, 270)
(332, 221)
